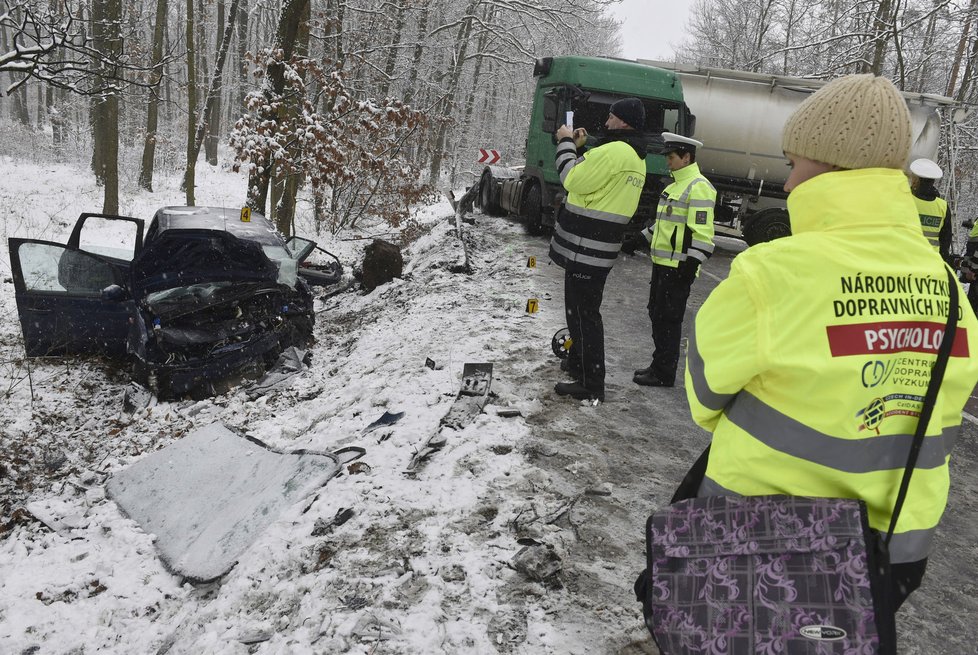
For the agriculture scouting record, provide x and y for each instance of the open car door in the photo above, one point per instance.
(70, 301)
(314, 274)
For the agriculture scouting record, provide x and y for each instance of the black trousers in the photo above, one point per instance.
(582, 307)
(668, 293)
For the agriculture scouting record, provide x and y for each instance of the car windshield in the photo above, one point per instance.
(191, 296)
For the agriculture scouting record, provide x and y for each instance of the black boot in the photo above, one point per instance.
(649, 380)
(578, 391)
(644, 371)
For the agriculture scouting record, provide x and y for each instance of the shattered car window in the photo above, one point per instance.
(190, 296)
(288, 267)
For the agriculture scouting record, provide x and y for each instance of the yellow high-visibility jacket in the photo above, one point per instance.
(932, 215)
(809, 363)
(603, 190)
(684, 219)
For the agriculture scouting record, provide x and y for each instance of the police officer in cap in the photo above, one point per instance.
(681, 240)
(934, 218)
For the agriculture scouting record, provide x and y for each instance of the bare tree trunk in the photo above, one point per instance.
(293, 12)
(968, 73)
(214, 101)
(292, 182)
(392, 51)
(881, 32)
(147, 165)
(476, 81)
(189, 175)
(418, 52)
(242, 51)
(959, 53)
(106, 32)
(461, 46)
(197, 134)
(21, 110)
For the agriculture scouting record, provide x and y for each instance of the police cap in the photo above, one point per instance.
(678, 143)
(925, 168)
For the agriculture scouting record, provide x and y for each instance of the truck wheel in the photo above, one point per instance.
(531, 210)
(767, 225)
(486, 201)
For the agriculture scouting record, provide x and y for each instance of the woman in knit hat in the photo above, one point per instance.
(808, 364)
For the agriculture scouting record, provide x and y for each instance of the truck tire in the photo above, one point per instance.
(531, 209)
(487, 202)
(767, 225)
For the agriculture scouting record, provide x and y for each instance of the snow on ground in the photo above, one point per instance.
(417, 567)
(424, 563)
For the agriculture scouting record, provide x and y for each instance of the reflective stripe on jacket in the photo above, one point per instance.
(603, 189)
(809, 363)
(932, 213)
(684, 219)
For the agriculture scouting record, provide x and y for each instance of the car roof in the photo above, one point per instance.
(259, 229)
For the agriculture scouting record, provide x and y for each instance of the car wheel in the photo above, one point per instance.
(767, 225)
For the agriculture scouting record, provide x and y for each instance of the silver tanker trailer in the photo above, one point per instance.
(739, 116)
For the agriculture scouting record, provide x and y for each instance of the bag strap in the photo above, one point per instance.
(936, 377)
(691, 481)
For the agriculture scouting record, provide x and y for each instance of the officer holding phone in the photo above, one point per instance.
(603, 187)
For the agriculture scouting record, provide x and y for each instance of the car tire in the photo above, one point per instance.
(767, 225)
(531, 209)
(488, 204)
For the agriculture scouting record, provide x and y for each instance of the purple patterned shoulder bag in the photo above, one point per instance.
(730, 575)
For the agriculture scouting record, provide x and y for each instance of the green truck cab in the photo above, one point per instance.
(587, 86)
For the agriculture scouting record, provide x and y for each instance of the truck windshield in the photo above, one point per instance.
(591, 110)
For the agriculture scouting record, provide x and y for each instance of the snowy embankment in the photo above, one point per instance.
(418, 563)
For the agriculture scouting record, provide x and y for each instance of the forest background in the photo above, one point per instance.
(366, 108)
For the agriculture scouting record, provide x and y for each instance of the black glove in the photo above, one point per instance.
(629, 244)
(688, 268)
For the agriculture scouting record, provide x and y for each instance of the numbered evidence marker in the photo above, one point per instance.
(531, 262)
(532, 306)
(246, 214)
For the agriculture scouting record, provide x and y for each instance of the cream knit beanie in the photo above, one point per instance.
(857, 121)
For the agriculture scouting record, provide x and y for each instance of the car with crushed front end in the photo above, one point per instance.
(204, 297)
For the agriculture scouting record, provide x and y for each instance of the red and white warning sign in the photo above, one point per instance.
(487, 156)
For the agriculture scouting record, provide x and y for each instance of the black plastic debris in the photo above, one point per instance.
(389, 418)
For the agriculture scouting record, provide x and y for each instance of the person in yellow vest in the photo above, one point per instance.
(808, 363)
(681, 240)
(603, 189)
(968, 265)
(934, 218)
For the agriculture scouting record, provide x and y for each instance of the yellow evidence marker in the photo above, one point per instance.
(532, 306)
(246, 214)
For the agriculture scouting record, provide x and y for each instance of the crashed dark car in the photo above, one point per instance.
(208, 296)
